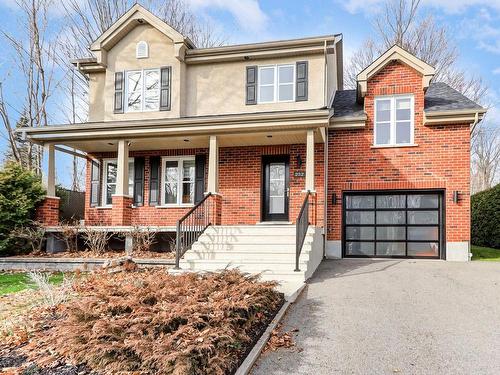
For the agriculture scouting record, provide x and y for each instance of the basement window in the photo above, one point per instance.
(394, 120)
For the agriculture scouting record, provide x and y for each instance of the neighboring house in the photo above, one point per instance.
(258, 126)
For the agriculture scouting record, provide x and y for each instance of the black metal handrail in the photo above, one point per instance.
(302, 224)
(191, 226)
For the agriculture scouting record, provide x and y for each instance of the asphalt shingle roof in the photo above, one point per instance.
(441, 97)
(438, 97)
(345, 104)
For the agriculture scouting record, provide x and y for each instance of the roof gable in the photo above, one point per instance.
(395, 53)
(133, 17)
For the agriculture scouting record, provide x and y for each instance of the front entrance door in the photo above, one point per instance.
(276, 188)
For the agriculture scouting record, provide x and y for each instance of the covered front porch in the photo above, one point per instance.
(240, 173)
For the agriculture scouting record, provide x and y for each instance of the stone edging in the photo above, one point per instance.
(254, 354)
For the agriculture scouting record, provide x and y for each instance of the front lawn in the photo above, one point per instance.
(485, 253)
(15, 282)
(147, 322)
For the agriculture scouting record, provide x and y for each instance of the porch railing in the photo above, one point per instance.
(302, 224)
(191, 226)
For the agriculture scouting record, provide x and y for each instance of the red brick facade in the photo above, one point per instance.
(48, 212)
(240, 175)
(440, 161)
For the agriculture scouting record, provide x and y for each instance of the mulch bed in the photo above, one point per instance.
(146, 322)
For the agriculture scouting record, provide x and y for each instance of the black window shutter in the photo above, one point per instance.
(301, 81)
(199, 185)
(95, 183)
(154, 180)
(165, 81)
(139, 181)
(251, 85)
(119, 92)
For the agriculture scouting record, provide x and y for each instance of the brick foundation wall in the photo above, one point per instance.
(441, 160)
(48, 212)
(240, 175)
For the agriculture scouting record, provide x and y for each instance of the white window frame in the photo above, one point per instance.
(180, 178)
(105, 183)
(143, 77)
(393, 122)
(137, 50)
(276, 83)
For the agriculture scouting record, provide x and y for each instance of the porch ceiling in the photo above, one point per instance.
(195, 141)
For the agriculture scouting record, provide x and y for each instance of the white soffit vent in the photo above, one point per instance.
(142, 50)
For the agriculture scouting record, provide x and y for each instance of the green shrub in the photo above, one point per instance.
(21, 192)
(485, 216)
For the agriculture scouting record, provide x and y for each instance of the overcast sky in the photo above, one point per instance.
(473, 24)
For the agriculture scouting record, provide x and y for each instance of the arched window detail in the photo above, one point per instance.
(142, 50)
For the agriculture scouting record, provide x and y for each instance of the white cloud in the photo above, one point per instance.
(496, 71)
(449, 6)
(247, 13)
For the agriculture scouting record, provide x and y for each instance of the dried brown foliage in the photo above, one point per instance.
(96, 239)
(142, 239)
(149, 322)
(280, 339)
(34, 234)
(69, 234)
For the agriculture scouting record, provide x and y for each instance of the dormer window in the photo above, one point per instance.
(394, 120)
(142, 50)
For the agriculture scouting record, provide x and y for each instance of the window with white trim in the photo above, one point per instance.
(142, 90)
(142, 50)
(178, 181)
(394, 120)
(109, 180)
(276, 83)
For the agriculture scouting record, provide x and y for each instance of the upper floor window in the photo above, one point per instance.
(142, 90)
(394, 120)
(110, 174)
(276, 83)
(142, 50)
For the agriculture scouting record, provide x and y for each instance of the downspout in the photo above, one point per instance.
(325, 75)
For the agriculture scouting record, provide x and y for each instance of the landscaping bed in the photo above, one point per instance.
(100, 255)
(146, 322)
(485, 253)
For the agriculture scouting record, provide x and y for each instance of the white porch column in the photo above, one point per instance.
(213, 165)
(49, 175)
(310, 161)
(122, 169)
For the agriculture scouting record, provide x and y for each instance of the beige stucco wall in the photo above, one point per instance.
(197, 90)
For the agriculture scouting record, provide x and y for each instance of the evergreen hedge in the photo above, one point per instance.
(21, 191)
(485, 217)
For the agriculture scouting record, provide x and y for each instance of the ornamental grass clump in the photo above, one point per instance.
(150, 322)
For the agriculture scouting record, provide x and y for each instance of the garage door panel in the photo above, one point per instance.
(392, 224)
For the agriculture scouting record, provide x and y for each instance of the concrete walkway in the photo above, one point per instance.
(394, 317)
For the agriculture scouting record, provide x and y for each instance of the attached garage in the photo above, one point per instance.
(397, 224)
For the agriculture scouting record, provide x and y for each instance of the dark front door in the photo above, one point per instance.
(276, 188)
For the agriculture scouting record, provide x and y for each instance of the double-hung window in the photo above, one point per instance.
(110, 174)
(142, 90)
(394, 120)
(276, 83)
(178, 181)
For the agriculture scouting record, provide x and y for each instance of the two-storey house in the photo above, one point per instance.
(255, 155)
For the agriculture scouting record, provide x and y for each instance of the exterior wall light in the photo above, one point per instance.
(456, 197)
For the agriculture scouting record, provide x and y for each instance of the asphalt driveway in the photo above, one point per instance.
(394, 317)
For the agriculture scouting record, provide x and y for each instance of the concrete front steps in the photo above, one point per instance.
(268, 250)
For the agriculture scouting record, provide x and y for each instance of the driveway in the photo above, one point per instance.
(394, 316)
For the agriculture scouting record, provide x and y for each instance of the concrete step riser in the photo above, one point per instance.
(289, 248)
(236, 230)
(258, 239)
(245, 267)
(243, 257)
